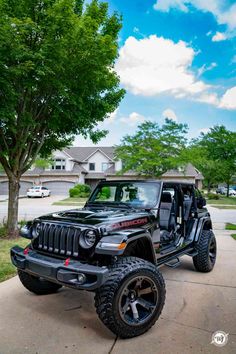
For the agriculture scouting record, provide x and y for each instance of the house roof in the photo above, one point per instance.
(95, 175)
(41, 172)
(81, 153)
(189, 171)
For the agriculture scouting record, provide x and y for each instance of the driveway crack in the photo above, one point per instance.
(189, 326)
(113, 345)
(195, 282)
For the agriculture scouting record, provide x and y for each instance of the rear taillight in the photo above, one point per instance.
(37, 190)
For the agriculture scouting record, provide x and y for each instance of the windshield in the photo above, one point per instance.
(135, 194)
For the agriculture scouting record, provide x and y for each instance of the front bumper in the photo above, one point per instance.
(55, 270)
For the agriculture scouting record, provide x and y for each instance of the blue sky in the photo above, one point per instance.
(178, 60)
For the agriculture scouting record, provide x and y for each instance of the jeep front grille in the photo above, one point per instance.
(58, 239)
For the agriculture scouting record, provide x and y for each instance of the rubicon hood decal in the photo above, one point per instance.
(128, 223)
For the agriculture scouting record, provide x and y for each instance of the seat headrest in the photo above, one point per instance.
(166, 197)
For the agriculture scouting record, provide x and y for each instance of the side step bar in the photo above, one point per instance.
(173, 264)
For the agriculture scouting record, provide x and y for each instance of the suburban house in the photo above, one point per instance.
(87, 165)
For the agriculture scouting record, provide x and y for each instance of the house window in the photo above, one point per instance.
(105, 166)
(59, 164)
(91, 166)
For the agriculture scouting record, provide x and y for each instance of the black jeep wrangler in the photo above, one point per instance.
(115, 245)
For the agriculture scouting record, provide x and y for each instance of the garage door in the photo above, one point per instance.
(59, 187)
(23, 187)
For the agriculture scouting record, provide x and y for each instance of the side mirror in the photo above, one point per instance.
(201, 202)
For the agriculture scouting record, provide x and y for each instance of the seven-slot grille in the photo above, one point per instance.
(58, 239)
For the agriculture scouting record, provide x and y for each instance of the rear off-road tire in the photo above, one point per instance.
(205, 260)
(131, 300)
(37, 285)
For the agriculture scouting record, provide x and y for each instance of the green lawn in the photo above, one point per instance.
(72, 201)
(230, 226)
(223, 201)
(232, 207)
(7, 270)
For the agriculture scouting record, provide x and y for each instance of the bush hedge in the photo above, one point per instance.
(213, 196)
(105, 193)
(80, 191)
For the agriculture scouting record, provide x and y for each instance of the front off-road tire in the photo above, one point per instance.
(205, 260)
(131, 300)
(37, 285)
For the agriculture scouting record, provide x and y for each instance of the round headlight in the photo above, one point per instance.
(87, 239)
(37, 229)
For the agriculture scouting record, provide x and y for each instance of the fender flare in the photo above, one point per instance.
(108, 245)
(204, 223)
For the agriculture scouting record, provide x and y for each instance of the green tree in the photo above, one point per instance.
(153, 149)
(214, 154)
(57, 80)
(220, 144)
(199, 156)
(43, 163)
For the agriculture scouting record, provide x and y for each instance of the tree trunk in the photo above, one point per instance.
(13, 195)
(208, 187)
(227, 189)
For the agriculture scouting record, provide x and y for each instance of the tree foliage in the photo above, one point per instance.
(199, 156)
(221, 146)
(153, 149)
(57, 77)
(214, 154)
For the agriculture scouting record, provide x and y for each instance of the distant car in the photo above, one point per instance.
(232, 192)
(38, 191)
(221, 190)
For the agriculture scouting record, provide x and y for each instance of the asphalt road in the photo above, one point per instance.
(30, 208)
(197, 305)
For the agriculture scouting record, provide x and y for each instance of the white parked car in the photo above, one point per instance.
(38, 191)
(232, 192)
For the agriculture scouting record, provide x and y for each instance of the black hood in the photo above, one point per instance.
(94, 216)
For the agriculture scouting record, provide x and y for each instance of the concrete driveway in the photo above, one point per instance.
(197, 305)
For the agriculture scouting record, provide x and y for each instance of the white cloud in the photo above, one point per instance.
(228, 100)
(112, 117)
(155, 65)
(210, 98)
(219, 36)
(205, 68)
(170, 114)
(223, 12)
(204, 130)
(133, 119)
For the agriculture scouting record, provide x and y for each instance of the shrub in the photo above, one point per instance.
(3, 231)
(80, 191)
(105, 193)
(213, 196)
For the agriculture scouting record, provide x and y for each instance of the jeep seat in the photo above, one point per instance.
(187, 204)
(166, 211)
